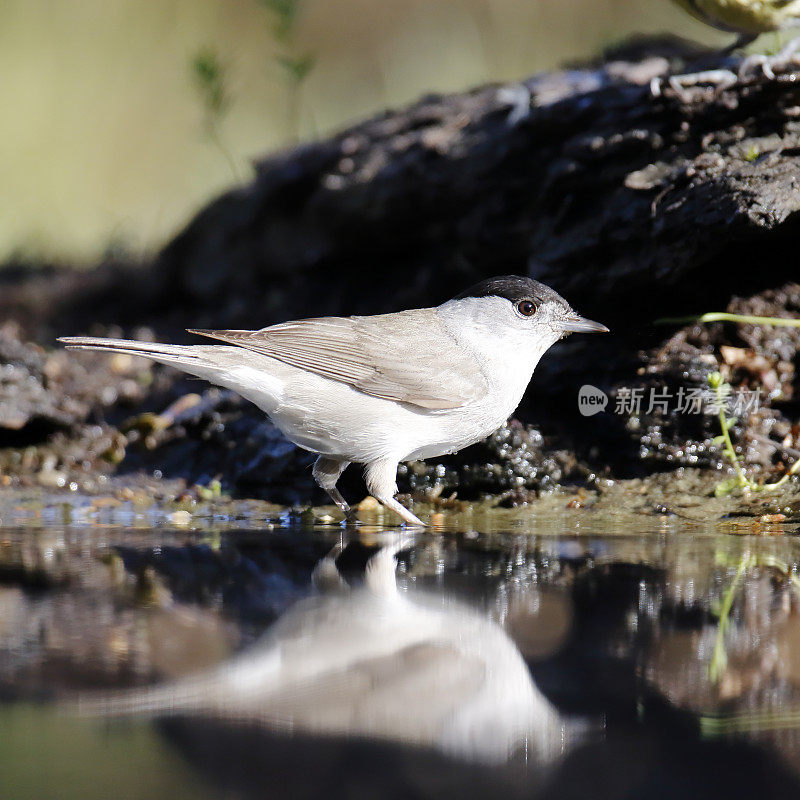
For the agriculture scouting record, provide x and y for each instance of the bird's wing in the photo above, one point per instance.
(790, 7)
(408, 356)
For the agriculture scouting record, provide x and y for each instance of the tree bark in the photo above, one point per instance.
(620, 199)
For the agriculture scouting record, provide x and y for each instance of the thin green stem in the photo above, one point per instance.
(731, 453)
(712, 726)
(293, 110)
(794, 470)
(216, 138)
(722, 389)
(724, 316)
(719, 659)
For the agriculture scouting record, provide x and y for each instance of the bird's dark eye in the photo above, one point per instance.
(527, 308)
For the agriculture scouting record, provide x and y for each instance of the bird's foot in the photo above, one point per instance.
(380, 477)
(786, 60)
(517, 98)
(351, 520)
(410, 519)
(686, 86)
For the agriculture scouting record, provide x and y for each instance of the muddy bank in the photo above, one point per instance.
(79, 418)
(663, 501)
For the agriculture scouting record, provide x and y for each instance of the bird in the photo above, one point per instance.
(371, 661)
(381, 389)
(747, 18)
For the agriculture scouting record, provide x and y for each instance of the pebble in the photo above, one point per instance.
(105, 502)
(180, 518)
(52, 478)
(369, 503)
(772, 518)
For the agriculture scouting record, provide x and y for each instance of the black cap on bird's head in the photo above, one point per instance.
(513, 288)
(527, 295)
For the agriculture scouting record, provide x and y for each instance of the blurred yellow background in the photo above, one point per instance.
(102, 139)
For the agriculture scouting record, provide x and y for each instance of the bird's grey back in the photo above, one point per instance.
(373, 355)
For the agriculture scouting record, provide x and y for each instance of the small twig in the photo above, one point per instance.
(792, 451)
(216, 138)
(769, 486)
(782, 566)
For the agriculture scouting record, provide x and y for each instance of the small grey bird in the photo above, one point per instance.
(387, 388)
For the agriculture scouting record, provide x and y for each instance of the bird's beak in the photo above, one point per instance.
(576, 324)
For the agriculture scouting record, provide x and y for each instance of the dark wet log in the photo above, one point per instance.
(634, 204)
(630, 204)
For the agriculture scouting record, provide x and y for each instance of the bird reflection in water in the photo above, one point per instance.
(374, 662)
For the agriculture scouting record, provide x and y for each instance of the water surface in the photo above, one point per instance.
(554, 655)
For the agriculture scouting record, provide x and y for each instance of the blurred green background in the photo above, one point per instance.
(120, 119)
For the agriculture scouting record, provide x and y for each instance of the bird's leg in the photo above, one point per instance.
(742, 40)
(380, 573)
(782, 61)
(326, 577)
(381, 483)
(719, 78)
(326, 472)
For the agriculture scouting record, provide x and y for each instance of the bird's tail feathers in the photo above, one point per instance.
(200, 360)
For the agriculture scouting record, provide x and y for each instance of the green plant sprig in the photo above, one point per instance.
(209, 76)
(285, 14)
(296, 66)
(724, 316)
(713, 725)
(722, 389)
